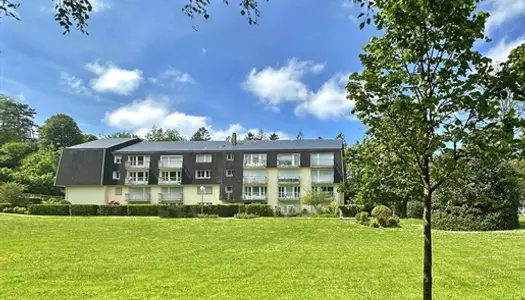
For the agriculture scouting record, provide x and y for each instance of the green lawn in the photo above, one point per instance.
(151, 258)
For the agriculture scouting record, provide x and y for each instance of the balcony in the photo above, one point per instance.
(288, 180)
(321, 163)
(261, 197)
(289, 196)
(137, 181)
(174, 164)
(137, 165)
(170, 197)
(255, 164)
(320, 180)
(170, 181)
(144, 197)
(247, 180)
(288, 163)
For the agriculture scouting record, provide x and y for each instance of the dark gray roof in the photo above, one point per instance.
(102, 143)
(226, 146)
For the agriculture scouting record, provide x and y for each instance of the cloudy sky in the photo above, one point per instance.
(145, 65)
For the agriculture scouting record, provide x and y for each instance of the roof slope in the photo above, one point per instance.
(102, 143)
(241, 145)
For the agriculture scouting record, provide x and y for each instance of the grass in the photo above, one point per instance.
(298, 258)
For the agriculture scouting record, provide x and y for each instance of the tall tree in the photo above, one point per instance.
(119, 134)
(12, 153)
(273, 136)
(202, 134)
(261, 135)
(424, 76)
(60, 131)
(37, 172)
(88, 137)
(159, 134)
(299, 135)
(16, 121)
(250, 136)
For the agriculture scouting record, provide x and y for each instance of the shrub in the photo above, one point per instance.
(13, 193)
(49, 209)
(7, 210)
(362, 217)
(113, 210)
(4, 205)
(392, 222)
(472, 218)
(20, 210)
(179, 211)
(261, 210)
(315, 198)
(55, 201)
(374, 223)
(415, 209)
(225, 211)
(206, 216)
(349, 211)
(143, 209)
(34, 200)
(84, 210)
(381, 212)
(245, 216)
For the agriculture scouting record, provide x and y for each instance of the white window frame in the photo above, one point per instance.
(249, 190)
(171, 159)
(118, 193)
(255, 158)
(165, 176)
(117, 159)
(135, 159)
(134, 175)
(229, 156)
(206, 174)
(229, 173)
(116, 175)
(208, 190)
(228, 187)
(204, 158)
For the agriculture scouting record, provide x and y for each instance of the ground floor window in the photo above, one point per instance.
(255, 190)
(289, 191)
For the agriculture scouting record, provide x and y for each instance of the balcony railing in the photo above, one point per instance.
(255, 179)
(288, 163)
(164, 164)
(138, 165)
(170, 181)
(322, 179)
(255, 164)
(321, 162)
(289, 196)
(144, 197)
(288, 179)
(170, 197)
(254, 196)
(137, 181)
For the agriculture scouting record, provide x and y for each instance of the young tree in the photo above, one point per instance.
(159, 134)
(119, 134)
(425, 78)
(202, 134)
(273, 136)
(16, 121)
(299, 135)
(260, 135)
(60, 131)
(12, 153)
(250, 136)
(88, 137)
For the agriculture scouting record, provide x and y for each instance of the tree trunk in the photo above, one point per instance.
(427, 264)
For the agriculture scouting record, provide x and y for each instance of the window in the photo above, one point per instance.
(288, 160)
(258, 159)
(172, 176)
(117, 159)
(322, 159)
(229, 173)
(255, 190)
(208, 190)
(137, 177)
(116, 175)
(324, 189)
(170, 161)
(118, 191)
(139, 160)
(229, 156)
(289, 192)
(203, 174)
(203, 158)
(228, 189)
(322, 176)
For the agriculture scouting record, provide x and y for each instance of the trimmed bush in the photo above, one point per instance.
(362, 217)
(4, 205)
(381, 212)
(179, 211)
(49, 209)
(227, 211)
(205, 216)
(143, 209)
(20, 210)
(349, 211)
(261, 210)
(34, 200)
(392, 222)
(245, 216)
(113, 210)
(415, 210)
(472, 218)
(374, 223)
(84, 210)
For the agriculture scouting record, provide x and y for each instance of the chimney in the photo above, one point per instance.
(233, 139)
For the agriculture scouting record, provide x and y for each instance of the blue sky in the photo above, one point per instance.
(145, 65)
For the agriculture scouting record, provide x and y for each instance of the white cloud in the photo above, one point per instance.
(142, 114)
(502, 11)
(274, 86)
(112, 79)
(73, 84)
(501, 51)
(171, 77)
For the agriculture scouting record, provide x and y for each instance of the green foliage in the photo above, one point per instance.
(49, 209)
(60, 131)
(350, 210)
(273, 136)
(17, 121)
(207, 216)
(159, 134)
(245, 216)
(315, 198)
(4, 205)
(415, 209)
(84, 210)
(37, 172)
(362, 218)
(119, 134)
(392, 222)
(6, 174)
(143, 209)
(113, 210)
(13, 193)
(20, 210)
(201, 134)
(374, 223)
(381, 212)
(88, 138)
(12, 153)
(192, 211)
(261, 210)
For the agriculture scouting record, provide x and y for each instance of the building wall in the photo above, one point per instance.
(95, 194)
(272, 189)
(192, 194)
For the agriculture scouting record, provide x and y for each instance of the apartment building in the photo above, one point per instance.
(211, 172)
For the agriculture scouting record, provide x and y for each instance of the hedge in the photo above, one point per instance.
(113, 210)
(4, 205)
(179, 211)
(83, 209)
(415, 209)
(261, 210)
(350, 210)
(49, 209)
(470, 218)
(143, 209)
